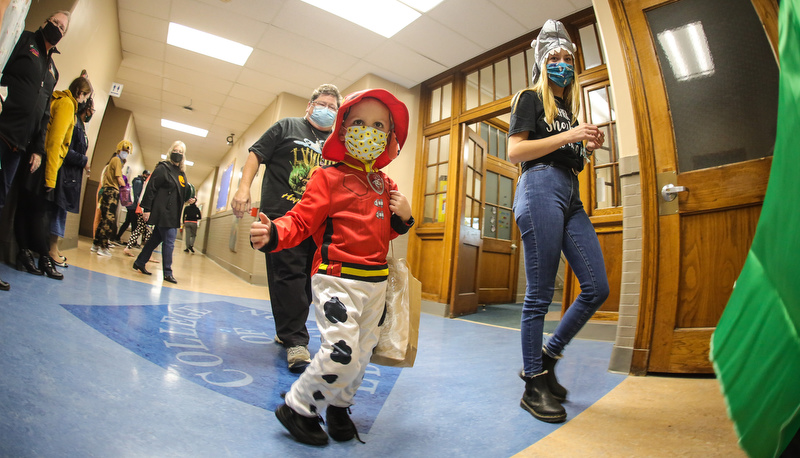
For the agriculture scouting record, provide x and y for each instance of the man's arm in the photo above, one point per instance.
(241, 200)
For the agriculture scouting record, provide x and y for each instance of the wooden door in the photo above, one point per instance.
(705, 79)
(466, 280)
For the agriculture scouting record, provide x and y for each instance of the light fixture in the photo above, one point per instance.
(207, 44)
(230, 139)
(384, 17)
(184, 128)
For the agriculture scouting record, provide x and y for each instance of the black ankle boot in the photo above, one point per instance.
(539, 401)
(47, 266)
(556, 389)
(340, 427)
(25, 262)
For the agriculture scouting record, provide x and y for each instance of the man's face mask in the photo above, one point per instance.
(323, 117)
(561, 73)
(365, 143)
(52, 33)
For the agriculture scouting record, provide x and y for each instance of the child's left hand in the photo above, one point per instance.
(260, 231)
(398, 204)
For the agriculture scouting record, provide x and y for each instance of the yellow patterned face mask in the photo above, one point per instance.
(365, 143)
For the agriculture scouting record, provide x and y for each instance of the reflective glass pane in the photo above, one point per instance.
(485, 132)
(502, 151)
(603, 155)
(504, 221)
(705, 61)
(502, 82)
(441, 182)
(476, 215)
(493, 141)
(491, 188)
(506, 191)
(441, 200)
(478, 179)
(447, 100)
(519, 74)
(433, 150)
(490, 222)
(599, 107)
(436, 104)
(590, 47)
(443, 172)
(487, 85)
(611, 102)
(469, 191)
(467, 220)
(431, 180)
(444, 148)
(529, 53)
(430, 209)
(472, 90)
(604, 188)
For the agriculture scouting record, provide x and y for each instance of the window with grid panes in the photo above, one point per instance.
(499, 194)
(437, 171)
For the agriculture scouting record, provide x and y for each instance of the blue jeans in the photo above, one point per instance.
(550, 216)
(160, 234)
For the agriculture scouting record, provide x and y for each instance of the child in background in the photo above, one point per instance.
(352, 210)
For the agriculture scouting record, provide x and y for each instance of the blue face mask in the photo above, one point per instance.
(323, 117)
(561, 73)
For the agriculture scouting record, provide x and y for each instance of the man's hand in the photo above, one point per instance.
(145, 216)
(36, 161)
(398, 204)
(260, 231)
(241, 202)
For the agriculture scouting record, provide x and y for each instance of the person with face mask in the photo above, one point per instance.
(109, 199)
(290, 149)
(70, 180)
(352, 210)
(162, 204)
(546, 137)
(30, 76)
(37, 197)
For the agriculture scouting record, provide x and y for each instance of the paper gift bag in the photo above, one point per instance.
(399, 327)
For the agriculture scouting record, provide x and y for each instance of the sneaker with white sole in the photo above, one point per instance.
(103, 252)
(298, 358)
(95, 248)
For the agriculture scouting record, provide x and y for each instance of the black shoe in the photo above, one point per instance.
(191, 249)
(304, 429)
(25, 263)
(4, 286)
(538, 400)
(47, 266)
(186, 250)
(141, 269)
(170, 279)
(340, 427)
(556, 389)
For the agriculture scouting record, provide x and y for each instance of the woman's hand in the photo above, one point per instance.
(398, 204)
(35, 161)
(592, 145)
(585, 132)
(260, 231)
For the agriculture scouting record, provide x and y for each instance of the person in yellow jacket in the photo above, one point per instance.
(35, 207)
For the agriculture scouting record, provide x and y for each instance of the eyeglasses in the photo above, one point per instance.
(319, 104)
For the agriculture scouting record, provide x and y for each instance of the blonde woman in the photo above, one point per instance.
(546, 137)
(162, 205)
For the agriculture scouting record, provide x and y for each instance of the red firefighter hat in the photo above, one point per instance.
(334, 149)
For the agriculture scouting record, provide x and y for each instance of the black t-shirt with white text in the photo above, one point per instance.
(528, 115)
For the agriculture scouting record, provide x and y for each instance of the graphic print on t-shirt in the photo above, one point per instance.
(306, 158)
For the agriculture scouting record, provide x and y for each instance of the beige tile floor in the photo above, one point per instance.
(642, 417)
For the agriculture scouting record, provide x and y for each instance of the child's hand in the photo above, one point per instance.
(260, 231)
(399, 205)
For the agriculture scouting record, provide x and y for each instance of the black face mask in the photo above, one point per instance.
(87, 117)
(175, 157)
(51, 33)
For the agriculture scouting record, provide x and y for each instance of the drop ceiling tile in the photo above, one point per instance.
(437, 42)
(534, 18)
(145, 64)
(194, 78)
(404, 62)
(156, 8)
(260, 10)
(143, 25)
(144, 47)
(216, 20)
(193, 62)
(138, 76)
(485, 23)
(256, 95)
(286, 44)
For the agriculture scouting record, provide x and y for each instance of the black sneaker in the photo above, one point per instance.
(340, 427)
(304, 429)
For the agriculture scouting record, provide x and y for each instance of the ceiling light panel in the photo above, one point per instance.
(207, 44)
(184, 128)
(384, 17)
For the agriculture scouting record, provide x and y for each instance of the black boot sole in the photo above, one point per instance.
(284, 414)
(558, 418)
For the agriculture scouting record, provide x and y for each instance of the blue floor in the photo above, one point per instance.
(102, 366)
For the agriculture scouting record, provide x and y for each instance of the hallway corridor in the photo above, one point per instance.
(112, 363)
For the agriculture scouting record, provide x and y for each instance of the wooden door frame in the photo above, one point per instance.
(645, 117)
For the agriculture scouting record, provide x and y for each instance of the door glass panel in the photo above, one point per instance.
(430, 209)
(436, 104)
(431, 180)
(491, 188)
(603, 155)
(444, 148)
(721, 79)
(604, 184)
(599, 107)
(433, 150)
(590, 47)
(490, 222)
(472, 90)
(504, 224)
(447, 100)
(506, 197)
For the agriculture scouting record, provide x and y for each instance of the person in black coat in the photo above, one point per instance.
(162, 203)
(70, 180)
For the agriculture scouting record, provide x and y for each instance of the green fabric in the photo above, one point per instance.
(756, 347)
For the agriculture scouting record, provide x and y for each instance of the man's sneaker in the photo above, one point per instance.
(298, 358)
(304, 429)
(340, 427)
(103, 252)
(95, 248)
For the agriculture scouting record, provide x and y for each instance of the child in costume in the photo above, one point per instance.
(352, 210)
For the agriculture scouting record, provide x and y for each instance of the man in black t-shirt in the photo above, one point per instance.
(290, 150)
